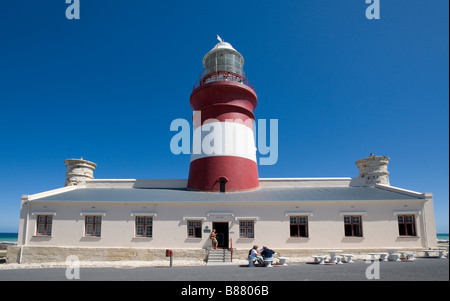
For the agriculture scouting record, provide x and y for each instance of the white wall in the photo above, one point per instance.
(326, 225)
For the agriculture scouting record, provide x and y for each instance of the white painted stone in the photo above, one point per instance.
(374, 169)
(79, 171)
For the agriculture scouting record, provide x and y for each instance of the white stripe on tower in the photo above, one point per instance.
(223, 139)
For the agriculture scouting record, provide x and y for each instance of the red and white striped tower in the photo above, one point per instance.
(224, 155)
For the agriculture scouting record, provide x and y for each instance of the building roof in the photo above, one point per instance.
(268, 193)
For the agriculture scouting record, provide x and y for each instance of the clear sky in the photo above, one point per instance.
(107, 86)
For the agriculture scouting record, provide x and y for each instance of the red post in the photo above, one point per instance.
(231, 248)
(169, 253)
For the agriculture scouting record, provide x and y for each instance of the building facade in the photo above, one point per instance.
(126, 218)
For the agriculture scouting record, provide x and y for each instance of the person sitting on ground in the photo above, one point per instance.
(267, 254)
(254, 255)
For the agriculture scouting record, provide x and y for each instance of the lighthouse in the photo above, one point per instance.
(223, 157)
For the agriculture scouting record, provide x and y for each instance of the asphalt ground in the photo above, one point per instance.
(224, 282)
(422, 269)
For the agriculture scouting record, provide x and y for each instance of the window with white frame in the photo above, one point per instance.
(298, 226)
(406, 225)
(194, 228)
(353, 226)
(144, 226)
(44, 225)
(93, 225)
(246, 229)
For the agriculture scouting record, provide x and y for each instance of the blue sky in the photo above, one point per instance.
(107, 86)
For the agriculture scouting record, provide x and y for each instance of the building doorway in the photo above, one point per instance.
(222, 234)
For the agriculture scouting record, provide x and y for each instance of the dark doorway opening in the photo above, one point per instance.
(222, 182)
(222, 234)
(222, 186)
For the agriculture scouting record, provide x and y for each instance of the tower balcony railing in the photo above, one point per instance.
(223, 76)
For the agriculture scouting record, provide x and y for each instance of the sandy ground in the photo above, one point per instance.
(119, 264)
(133, 264)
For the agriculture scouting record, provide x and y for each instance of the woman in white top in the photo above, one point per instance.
(254, 254)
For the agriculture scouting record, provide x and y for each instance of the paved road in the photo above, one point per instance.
(431, 269)
(217, 282)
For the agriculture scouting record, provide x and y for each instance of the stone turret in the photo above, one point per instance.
(374, 169)
(78, 171)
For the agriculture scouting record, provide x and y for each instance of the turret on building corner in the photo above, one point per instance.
(79, 171)
(374, 169)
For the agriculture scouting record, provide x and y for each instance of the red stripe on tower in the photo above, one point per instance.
(224, 154)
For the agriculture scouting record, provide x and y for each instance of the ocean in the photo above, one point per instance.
(442, 236)
(12, 237)
(8, 238)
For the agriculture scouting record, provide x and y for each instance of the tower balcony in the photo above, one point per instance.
(223, 76)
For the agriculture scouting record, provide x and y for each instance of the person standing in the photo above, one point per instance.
(213, 237)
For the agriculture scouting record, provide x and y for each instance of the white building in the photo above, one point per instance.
(139, 219)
